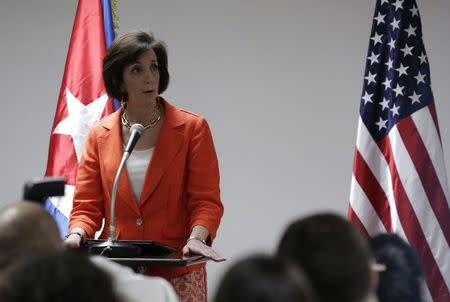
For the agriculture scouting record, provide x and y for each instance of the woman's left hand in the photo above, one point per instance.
(195, 246)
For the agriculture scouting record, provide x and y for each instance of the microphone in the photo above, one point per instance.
(136, 132)
(113, 248)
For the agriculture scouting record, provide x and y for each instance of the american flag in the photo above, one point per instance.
(82, 100)
(399, 181)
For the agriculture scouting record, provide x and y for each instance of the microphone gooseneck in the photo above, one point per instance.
(135, 133)
(113, 247)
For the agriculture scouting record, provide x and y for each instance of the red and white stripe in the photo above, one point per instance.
(400, 185)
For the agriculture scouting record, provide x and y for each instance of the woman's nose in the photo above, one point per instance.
(150, 75)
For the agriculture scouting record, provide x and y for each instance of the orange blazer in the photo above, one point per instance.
(180, 190)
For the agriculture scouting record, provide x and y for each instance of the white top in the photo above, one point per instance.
(137, 165)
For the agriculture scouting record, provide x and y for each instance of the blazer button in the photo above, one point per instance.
(139, 221)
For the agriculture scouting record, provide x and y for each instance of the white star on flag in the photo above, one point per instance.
(411, 30)
(367, 98)
(80, 119)
(394, 110)
(373, 58)
(415, 98)
(391, 44)
(414, 11)
(377, 39)
(381, 123)
(387, 83)
(398, 4)
(389, 64)
(370, 78)
(395, 24)
(407, 50)
(398, 90)
(380, 18)
(384, 104)
(423, 58)
(420, 78)
(402, 70)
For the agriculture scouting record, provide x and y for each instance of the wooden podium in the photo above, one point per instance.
(149, 253)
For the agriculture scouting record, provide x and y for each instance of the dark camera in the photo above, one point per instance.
(38, 190)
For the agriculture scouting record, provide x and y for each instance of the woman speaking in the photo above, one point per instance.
(169, 191)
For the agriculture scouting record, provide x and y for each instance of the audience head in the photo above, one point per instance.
(26, 227)
(264, 279)
(403, 275)
(333, 254)
(56, 276)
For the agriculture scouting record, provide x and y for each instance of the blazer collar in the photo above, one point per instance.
(110, 149)
(168, 144)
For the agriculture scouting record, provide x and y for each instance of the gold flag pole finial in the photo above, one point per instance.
(115, 16)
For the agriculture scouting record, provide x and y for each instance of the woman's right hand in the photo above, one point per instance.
(73, 241)
(75, 238)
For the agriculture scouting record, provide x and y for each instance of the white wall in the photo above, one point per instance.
(279, 82)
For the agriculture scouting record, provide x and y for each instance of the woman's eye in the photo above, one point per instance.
(135, 69)
(154, 67)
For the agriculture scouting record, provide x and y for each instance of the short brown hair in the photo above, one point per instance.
(26, 227)
(126, 50)
(333, 253)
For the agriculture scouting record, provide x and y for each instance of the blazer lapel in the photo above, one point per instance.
(169, 142)
(111, 152)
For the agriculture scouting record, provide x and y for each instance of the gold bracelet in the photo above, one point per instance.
(75, 233)
(197, 238)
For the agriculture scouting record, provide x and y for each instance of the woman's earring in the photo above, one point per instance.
(122, 103)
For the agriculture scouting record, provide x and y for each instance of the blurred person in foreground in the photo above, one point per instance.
(56, 276)
(402, 276)
(26, 228)
(334, 255)
(261, 278)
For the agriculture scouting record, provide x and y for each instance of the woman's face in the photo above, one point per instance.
(141, 78)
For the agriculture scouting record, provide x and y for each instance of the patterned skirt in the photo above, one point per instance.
(191, 287)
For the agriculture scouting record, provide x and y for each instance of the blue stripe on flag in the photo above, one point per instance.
(108, 22)
(108, 27)
(61, 220)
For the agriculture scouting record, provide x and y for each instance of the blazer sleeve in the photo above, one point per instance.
(88, 203)
(204, 204)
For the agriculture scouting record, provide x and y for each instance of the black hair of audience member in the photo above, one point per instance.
(262, 278)
(57, 276)
(334, 255)
(26, 227)
(401, 281)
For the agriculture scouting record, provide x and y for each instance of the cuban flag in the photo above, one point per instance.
(82, 100)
